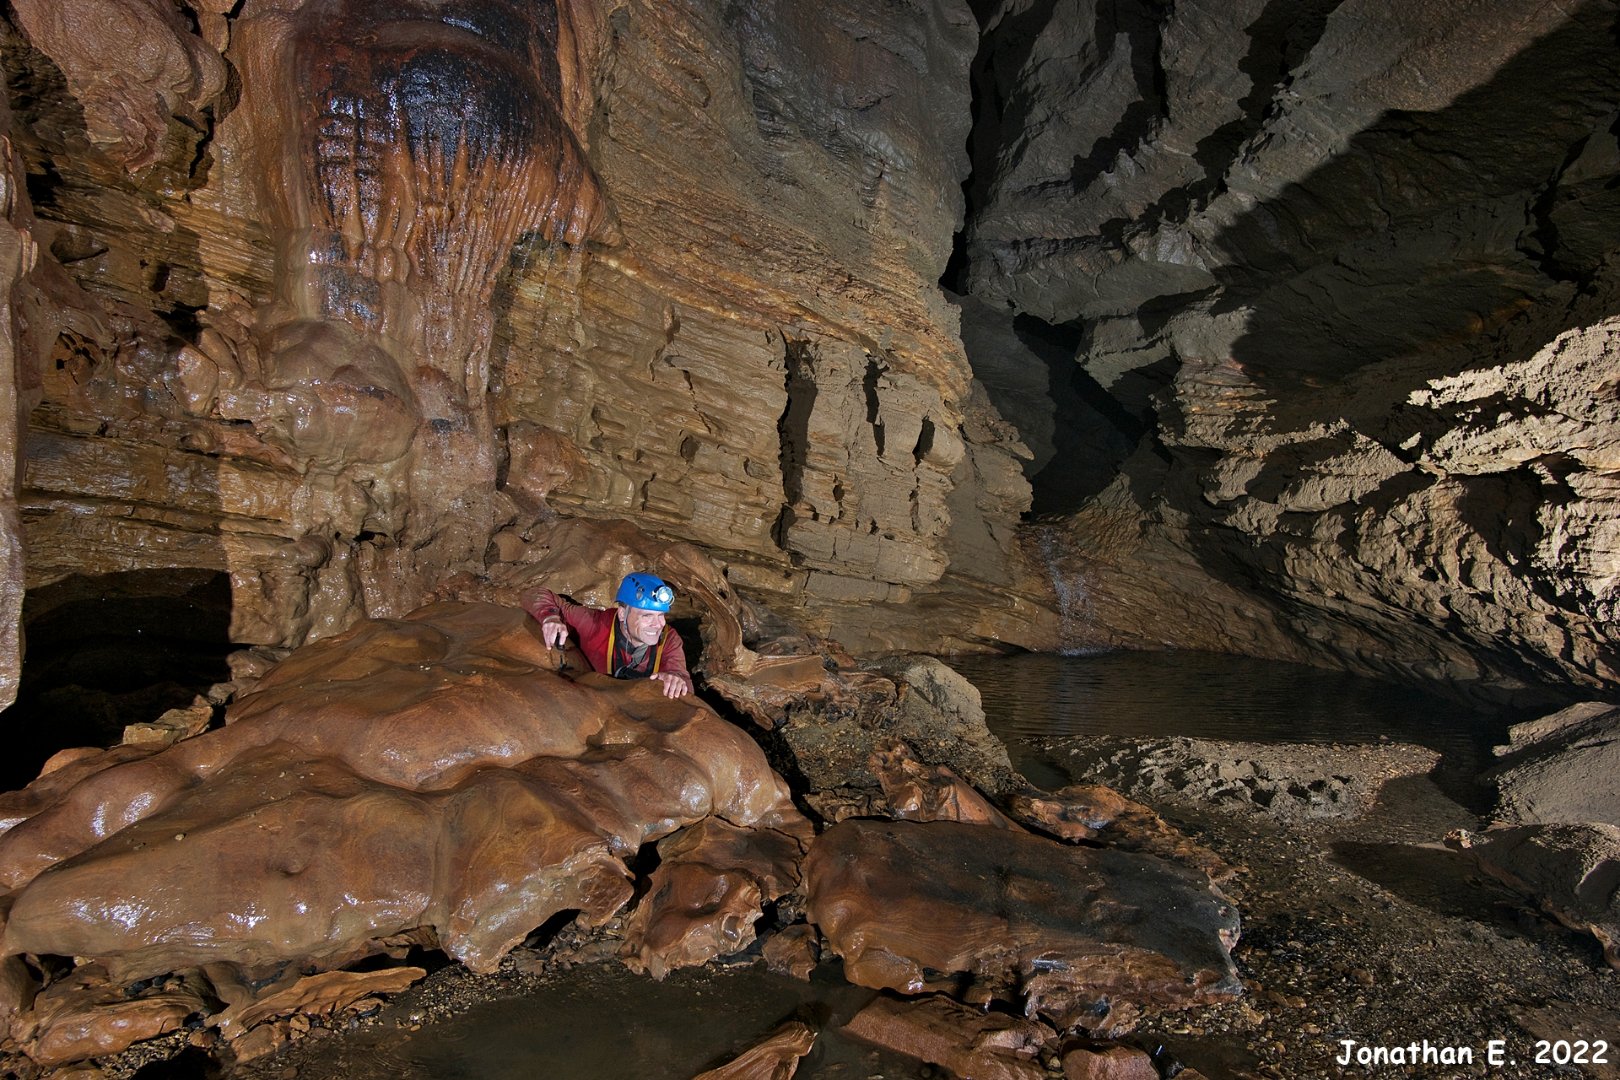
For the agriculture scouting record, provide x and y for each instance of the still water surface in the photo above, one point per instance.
(604, 1022)
(1035, 697)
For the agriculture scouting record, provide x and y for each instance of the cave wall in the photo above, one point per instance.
(1350, 269)
(341, 299)
(1293, 321)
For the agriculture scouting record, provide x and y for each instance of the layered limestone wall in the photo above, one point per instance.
(1339, 278)
(322, 296)
(1299, 317)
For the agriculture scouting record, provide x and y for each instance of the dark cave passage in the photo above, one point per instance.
(110, 650)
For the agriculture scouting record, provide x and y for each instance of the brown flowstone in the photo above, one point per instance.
(1070, 933)
(707, 892)
(426, 773)
(792, 951)
(946, 1033)
(774, 1058)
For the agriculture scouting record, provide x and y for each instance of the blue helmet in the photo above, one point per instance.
(646, 592)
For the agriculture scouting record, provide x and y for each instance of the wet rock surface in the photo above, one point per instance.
(1074, 934)
(962, 1040)
(776, 1058)
(1367, 927)
(1363, 928)
(429, 781)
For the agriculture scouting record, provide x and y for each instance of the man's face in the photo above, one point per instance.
(644, 627)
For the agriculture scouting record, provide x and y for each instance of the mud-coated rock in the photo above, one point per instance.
(1571, 871)
(1069, 932)
(1561, 768)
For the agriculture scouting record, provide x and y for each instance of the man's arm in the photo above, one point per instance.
(554, 614)
(672, 674)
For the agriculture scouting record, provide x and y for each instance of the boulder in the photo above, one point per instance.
(959, 1039)
(1093, 812)
(918, 792)
(1571, 871)
(1109, 1063)
(843, 716)
(703, 899)
(1072, 934)
(1561, 768)
(793, 951)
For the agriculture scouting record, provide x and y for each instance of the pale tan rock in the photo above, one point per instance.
(918, 700)
(171, 727)
(1571, 870)
(17, 252)
(774, 1058)
(1560, 768)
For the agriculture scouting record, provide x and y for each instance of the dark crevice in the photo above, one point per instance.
(1279, 41)
(1139, 24)
(925, 441)
(874, 372)
(1004, 47)
(793, 432)
(107, 651)
(1092, 432)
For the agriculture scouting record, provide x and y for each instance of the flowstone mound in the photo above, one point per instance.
(431, 776)
(1080, 936)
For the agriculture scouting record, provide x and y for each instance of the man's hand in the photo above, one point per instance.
(674, 685)
(554, 632)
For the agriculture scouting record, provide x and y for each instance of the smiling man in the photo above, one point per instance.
(628, 641)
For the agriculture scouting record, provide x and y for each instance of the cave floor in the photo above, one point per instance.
(1360, 926)
(1365, 927)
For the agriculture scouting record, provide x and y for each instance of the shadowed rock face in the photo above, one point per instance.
(429, 772)
(1337, 298)
(1073, 933)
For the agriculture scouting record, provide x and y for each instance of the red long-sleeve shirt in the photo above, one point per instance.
(599, 631)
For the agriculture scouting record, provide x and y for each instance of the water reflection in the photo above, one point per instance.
(606, 1023)
(1033, 698)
